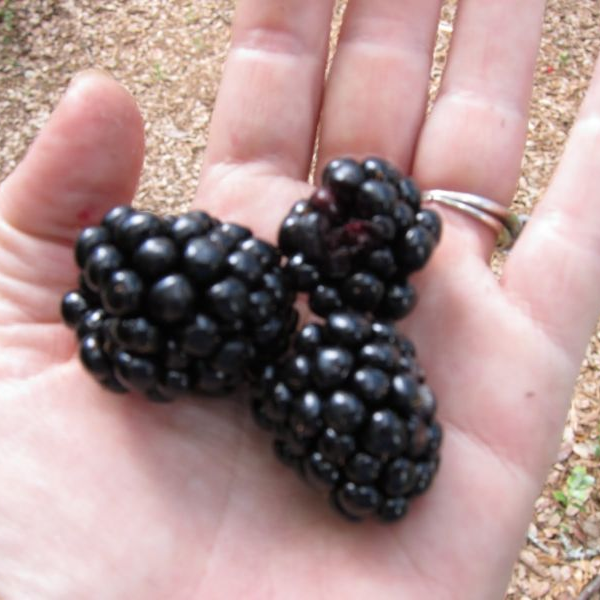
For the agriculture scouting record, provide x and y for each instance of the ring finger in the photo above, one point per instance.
(474, 138)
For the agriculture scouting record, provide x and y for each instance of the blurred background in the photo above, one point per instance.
(170, 56)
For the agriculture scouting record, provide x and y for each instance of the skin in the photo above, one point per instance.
(112, 497)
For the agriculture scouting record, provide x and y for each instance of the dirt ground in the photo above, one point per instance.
(170, 55)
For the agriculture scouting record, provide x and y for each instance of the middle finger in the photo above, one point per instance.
(376, 97)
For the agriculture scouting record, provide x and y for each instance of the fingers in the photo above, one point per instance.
(473, 140)
(376, 96)
(554, 269)
(269, 100)
(86, 159)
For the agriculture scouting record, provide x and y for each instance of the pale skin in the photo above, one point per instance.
(113, 497)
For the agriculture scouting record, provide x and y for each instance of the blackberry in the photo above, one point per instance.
(355, 242)
(174, 305)
(349, 409)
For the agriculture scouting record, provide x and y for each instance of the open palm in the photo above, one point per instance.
(113, 497)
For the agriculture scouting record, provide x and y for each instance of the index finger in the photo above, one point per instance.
(270, 94)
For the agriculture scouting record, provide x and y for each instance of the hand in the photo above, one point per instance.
(113, 497)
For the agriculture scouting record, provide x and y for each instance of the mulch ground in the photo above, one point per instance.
(170, 56)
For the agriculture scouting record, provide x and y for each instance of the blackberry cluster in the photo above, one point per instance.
(349, 409)
(173, 305)
(168, 306)
(355, 242)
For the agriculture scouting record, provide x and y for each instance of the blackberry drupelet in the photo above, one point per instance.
(358, 238)
(174, 305)
(349, 409)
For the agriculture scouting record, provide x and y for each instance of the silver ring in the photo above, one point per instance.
(506, 225)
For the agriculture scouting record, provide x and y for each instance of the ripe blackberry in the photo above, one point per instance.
(349, 409)
(358, 238)
(173, 305)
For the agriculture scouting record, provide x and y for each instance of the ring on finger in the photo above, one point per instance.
(504, 223)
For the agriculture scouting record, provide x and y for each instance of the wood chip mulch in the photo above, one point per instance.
(170, 56)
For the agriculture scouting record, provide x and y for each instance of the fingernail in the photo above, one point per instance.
(86, 75)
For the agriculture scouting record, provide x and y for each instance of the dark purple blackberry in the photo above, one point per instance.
(155, 257)
(176, 305)
(349, 409)
(88, 239)
(356, 241)
(73, 307)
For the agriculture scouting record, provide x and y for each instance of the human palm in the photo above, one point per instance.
(114, 497)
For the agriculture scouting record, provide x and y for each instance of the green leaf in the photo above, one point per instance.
(579, 486)
(577, 489)
(158, 72)
(579, 479)
(559, 496)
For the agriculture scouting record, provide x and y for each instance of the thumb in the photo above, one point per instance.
(86, 159)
